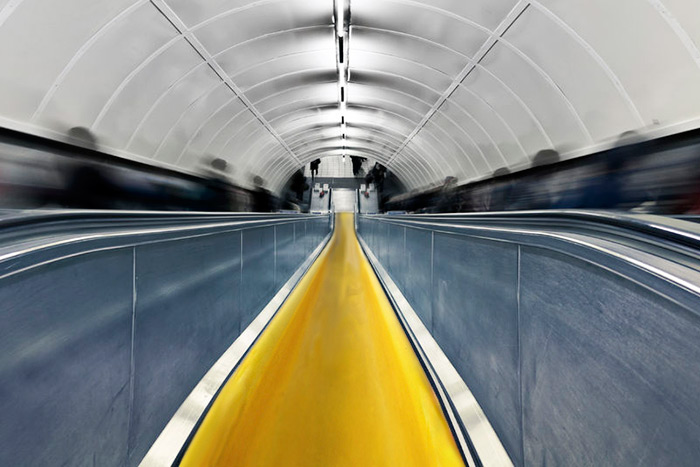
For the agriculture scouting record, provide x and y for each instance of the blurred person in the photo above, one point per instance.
(376, 176)
(357, 162)
(535, 191)
(314, 169)
(89, 184)
(369, 178)
(481, 197)
(298, 185)
(85, 136)
(216, 194)
(693, 201)
(546, 157)
(263, 200)
(572, 184)
(500, 191)
(29, 178)
(606, 190)
(689, 203)
(465, 200)
(446, 198)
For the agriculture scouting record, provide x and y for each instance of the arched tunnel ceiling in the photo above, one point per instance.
(436, 88)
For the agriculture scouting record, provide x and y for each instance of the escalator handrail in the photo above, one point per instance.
(636, 246)
(23, 235)
(665, 229)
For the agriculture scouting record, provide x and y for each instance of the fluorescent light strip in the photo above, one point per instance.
(340, 18)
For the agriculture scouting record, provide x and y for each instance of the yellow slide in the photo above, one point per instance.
(332, 381)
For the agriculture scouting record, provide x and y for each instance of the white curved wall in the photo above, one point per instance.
(437, 88)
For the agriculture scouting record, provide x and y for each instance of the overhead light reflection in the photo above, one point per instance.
(340, 18)
(342, 64)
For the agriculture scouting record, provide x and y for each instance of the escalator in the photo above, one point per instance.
(531, 338)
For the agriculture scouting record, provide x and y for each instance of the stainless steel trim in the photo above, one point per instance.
(169, 443)
(488, 446)
(619, 252)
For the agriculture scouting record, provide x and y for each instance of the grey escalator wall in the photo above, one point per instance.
(573, 364)
(98, 351)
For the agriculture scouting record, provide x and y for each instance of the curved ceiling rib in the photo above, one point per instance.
(433, 88)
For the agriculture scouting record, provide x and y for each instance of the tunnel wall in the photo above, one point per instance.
(572, 361)
(97, 351)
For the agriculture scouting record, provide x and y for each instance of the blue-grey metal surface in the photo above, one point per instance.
(368, 201)
(320, 202)
(107, 330)
(172, 440)
(478, 326)
(65, 359)
(472, 431)
(578, 336)
(188, 306)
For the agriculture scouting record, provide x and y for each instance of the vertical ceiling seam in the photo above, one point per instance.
(553, 85)
(8, 9)
(205, 122)
(235, 134)
(483, 130)
(157, 102)
(444, 114)
(498, 116)
(472, 62)
(522, 103)
(678, 30)
(130, 77)
(632, 107)
(221, 129)
(79, 55)
(181, 27)
(184, 113)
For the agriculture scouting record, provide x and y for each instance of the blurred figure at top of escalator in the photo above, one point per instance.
(447, 198)
(500, 191)
(263, 200)
(376, 176)
(357, 162)
(606, 189)
(216, 191)
(84, 136)
(313, 166)
(90, 185)
(298, 184)
(538, 190)
(296, 189)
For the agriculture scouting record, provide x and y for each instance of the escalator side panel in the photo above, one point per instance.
(332, 381)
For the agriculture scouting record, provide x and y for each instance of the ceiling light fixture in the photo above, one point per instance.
(340, 17)
(341, 28)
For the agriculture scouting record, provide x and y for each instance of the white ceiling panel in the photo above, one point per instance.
(38, 38)
(593, 91)
(131, 102)
(436, 88)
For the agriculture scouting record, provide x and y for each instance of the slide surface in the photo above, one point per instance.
(332, 381)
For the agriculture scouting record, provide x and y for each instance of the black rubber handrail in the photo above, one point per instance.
(21, 226)
(668, 229)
